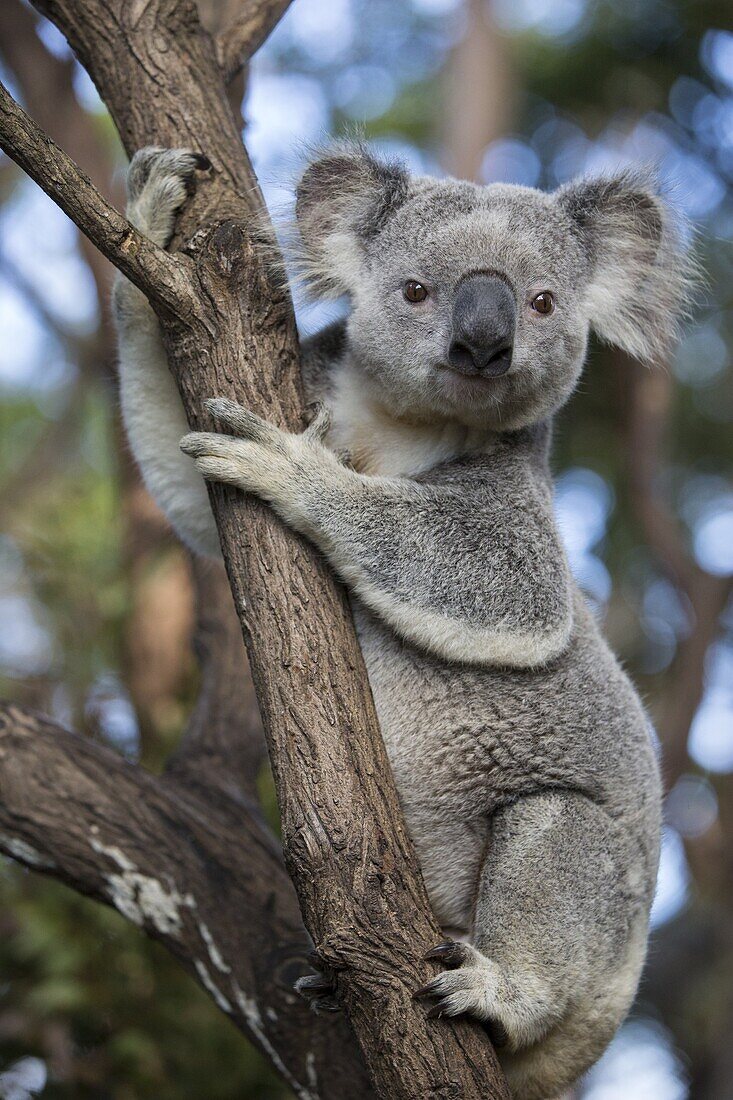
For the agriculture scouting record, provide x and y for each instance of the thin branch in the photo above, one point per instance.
(243, 37)
(83, 351)
(685, 685)
(47, 92)
(205, 879)
(156, 272)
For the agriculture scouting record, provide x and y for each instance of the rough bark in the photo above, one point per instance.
(229, 330)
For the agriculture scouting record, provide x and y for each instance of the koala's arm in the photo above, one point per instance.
(151, 406)
(467, 565)
(155, 421)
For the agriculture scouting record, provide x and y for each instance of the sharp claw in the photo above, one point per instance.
(325, 1004)
(448, 952)
(423, 991)
(439, 950)
(313, 983)
(202, 162)
(436, 1011)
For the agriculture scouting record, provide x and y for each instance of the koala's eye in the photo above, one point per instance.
(543, 302)
(414, 291)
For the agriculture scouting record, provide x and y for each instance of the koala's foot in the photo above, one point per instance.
(158, 183)
(319, 989)
(512, 1010)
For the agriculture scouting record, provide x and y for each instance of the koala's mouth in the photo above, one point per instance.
(484, 372)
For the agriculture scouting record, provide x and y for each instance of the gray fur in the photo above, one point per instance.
(522, 754)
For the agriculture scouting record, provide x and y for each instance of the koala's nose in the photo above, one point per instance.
(484, 316)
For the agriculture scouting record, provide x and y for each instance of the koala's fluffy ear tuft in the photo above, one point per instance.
(642, 277)
(344, 198)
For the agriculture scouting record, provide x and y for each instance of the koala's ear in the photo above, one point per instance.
(641, 277)
(343, 200)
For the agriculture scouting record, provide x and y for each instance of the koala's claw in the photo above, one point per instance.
(449, 952)
(465, 987)
(319, 991)
(453, 955)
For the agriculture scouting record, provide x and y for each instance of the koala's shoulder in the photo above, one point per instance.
(321, 355)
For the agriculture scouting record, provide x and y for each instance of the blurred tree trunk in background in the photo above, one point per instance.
(479, 106)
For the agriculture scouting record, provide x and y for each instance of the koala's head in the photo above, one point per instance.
(475, 303)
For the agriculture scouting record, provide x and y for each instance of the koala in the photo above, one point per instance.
(524, 759)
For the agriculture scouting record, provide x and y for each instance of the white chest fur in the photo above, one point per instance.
(378, 443)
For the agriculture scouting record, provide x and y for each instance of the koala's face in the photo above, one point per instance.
(475, 303)
(470, 303)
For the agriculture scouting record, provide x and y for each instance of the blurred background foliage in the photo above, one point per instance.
(95, 597)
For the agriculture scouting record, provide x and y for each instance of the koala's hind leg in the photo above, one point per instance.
(158, 183)
(557, 945)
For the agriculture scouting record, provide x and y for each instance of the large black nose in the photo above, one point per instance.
(484, 315)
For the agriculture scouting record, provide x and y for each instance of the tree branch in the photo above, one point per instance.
(156, 272)
(709, 598)
(203, 878)
(346, 846)
(236, 44)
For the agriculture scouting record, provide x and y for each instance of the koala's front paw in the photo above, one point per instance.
(285, 469)
(255, 459)
(476, 986)
(158, 183)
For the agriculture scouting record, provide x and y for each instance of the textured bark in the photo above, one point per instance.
(229, 330)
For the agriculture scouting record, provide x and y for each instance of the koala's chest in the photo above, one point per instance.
(380, 444)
